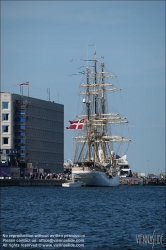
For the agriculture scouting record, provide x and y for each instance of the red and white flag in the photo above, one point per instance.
(77, 124)
(21, 84)
(25, 83)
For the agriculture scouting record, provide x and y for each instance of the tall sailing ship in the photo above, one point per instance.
(95, 162)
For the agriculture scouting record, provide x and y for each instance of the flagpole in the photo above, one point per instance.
(28, 88)
(87, 56)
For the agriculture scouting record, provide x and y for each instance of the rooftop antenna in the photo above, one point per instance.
(48, 94)
(28, 88)
(21, 90)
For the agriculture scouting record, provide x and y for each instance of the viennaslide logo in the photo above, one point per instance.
(153, 239)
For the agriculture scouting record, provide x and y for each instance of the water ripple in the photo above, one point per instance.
(110, 218)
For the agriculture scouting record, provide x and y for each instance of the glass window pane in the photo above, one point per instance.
(5, 140)
(5, 117)
(5, 128)
(5, 105)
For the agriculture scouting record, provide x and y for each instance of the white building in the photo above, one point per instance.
(31, 132)
(141, 174)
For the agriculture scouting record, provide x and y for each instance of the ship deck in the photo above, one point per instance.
(86, 168)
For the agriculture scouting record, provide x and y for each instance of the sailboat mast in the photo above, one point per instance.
(88, 114)
(87, 101)
(95, 111)
(103, 99)
(103, 104)
(95, 80)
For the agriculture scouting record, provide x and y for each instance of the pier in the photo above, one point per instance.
(142, 181)
(30, 183)
(56, 182)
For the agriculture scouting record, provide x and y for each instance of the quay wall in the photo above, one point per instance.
(141, 181)
(54, 182)
(26, 182)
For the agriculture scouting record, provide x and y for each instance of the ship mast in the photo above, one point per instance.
(95, 136)
(88, 113)
(95, 80)
(103, 104)
(103, 99)
(95, 107)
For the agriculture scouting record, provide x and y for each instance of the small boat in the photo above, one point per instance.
(72, 184)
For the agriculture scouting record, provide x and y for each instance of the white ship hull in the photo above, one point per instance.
(95, 178)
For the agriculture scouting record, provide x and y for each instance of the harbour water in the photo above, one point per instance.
(124, 217)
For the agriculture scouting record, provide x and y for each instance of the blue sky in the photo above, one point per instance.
(39, 38)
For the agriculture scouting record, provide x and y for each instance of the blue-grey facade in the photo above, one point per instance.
(32, 132)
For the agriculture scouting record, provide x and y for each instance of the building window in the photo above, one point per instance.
(5, 105)
(5, 117)
(5, 140)
(5, 129)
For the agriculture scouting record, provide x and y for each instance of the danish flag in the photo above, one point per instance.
(21, 84)
(77, 124)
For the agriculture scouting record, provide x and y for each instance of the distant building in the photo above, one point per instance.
(163, 175)
(141, 174)
(31, 132)
(135, 174)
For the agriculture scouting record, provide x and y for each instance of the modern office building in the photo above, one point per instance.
(31, 132)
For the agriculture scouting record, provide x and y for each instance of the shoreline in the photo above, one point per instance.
(54, 182)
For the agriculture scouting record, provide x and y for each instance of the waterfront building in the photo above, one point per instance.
(31, 132)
